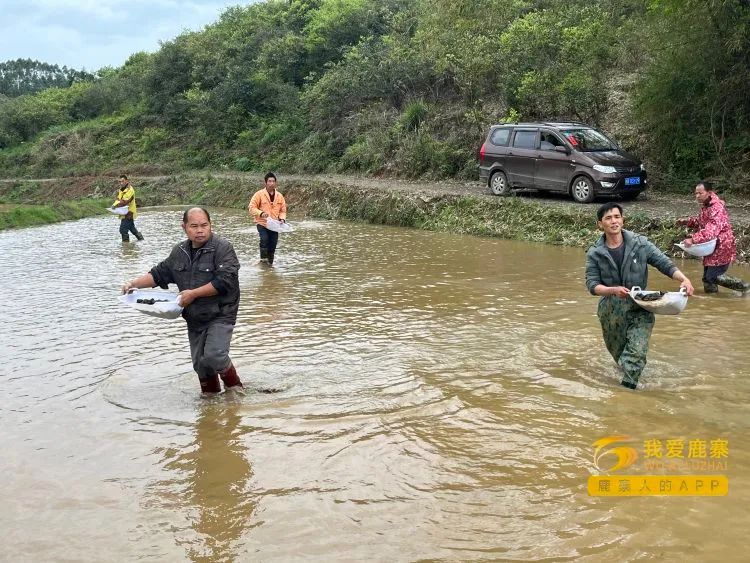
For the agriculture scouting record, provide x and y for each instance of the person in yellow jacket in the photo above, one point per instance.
(265, 203)
(126, 196)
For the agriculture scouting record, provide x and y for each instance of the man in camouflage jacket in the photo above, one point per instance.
(617, 262)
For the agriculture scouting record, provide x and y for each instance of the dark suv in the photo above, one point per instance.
(558, 157)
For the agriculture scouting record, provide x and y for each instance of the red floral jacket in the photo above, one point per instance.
(713, 223)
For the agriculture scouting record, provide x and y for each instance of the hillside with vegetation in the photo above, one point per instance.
(404, 88)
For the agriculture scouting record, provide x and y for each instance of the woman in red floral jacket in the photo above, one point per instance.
(713, 223)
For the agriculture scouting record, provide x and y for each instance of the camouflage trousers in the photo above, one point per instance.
(626, 328)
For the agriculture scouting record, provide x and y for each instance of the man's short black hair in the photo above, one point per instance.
(606, 207)
(708, 186)
(185, 215)
(269, 175)
(123, 177)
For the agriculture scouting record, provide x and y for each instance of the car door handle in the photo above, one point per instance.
(510, 153)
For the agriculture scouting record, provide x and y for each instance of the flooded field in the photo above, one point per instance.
(437, 398)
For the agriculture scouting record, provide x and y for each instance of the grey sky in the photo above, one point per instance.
(95, 33)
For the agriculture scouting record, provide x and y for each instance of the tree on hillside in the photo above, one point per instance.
(693, 103)
(26, 76)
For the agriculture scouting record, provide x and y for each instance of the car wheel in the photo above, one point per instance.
(630, 196)
(582, 190)
(499, 184)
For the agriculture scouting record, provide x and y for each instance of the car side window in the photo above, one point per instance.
(524, 140)
(550, 141)
(500, 137)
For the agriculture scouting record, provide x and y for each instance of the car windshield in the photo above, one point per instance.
(588, 140)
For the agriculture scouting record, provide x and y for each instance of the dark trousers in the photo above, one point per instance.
(128, 226)
(712, 273)
(268, 241)
(715, 276)
(209, 349)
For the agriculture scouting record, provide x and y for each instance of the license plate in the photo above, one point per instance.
(632, 181)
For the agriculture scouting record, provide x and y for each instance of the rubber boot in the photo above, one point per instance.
(264, 256)
(139, 236)
(125, 238)
(231, 379)
(211, 385)
(629, 384)
(710, 287)
(270, 258)
(733, 283)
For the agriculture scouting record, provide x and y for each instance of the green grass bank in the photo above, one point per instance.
(510, 218)
(19, 215)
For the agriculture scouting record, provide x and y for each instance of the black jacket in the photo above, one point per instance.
(216, 263)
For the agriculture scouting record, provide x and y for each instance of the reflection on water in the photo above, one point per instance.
(217, 482)
(437, 397)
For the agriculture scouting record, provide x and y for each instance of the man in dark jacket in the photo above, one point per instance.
(616, 263)
(205, 268)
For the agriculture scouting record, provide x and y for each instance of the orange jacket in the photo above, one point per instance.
(261, 202)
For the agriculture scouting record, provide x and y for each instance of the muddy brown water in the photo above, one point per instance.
(438, 398)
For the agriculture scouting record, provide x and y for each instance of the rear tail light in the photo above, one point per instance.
(481, 154)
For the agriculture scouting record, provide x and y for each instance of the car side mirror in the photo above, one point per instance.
(559, 148)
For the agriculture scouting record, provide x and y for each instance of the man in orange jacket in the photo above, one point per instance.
(267, 203)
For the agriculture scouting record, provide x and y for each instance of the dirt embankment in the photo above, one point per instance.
(557, 218)
(654, 204)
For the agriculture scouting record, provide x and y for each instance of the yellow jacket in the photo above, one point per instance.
(128, 194)
(261, 203)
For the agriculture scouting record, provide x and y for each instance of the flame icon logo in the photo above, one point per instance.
(626, 456)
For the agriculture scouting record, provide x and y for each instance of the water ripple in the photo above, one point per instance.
(438, 392)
